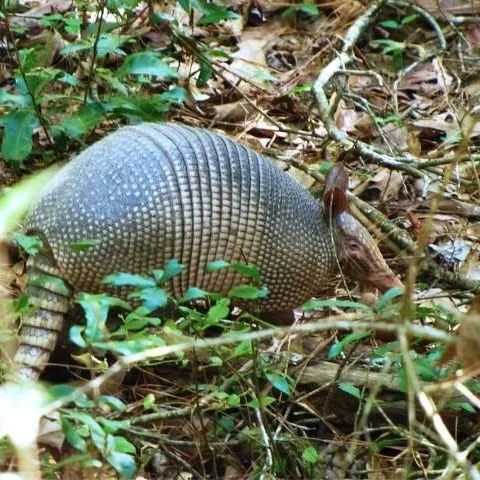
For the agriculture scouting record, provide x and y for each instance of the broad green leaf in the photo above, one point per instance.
(243, 349)
(96, 309)
(152, 297)
(139, 107)
(262, 402)
(123, 463)
(76, 336)
(149, 401)
(74, 48)
(96, 432)
(206, 73)
(409, 19)
(280, 382)
(310, 455)
(14, 101)
(248, 292)
(147, 63)
(113, 402)
(30, 243)
(172, 269)
(128, 279)
(112, 426)
(84, 244)
(72, 436)
(17, 135)
(316, 304)
(391, 24)
(193, 293)
(134, 345)
(388, 296)
(83, 120)
(250, 271)
(54, 283)
(339, 347)
(350, 388)
(459, 405)
(217, 265)
(123, 445)
(109, 43)
(59, 391)
(218, 312)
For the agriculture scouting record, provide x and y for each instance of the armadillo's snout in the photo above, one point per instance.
(361, 259)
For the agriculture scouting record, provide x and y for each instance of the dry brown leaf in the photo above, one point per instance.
(235, 112)
(440, 8)
(385, 185)
(468, 336)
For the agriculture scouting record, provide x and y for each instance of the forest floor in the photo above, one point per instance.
(359, 387)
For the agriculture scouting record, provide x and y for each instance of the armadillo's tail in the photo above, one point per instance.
(49, 297)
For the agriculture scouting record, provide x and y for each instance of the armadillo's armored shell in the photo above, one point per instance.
(154, 192)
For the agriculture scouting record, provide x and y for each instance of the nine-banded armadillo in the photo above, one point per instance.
(153, 192)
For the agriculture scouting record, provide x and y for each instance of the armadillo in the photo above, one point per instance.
(153, 192)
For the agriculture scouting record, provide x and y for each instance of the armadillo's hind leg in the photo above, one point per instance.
(50, 297)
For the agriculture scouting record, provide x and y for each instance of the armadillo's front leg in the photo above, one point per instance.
(50, 297)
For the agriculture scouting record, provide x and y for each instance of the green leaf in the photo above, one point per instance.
(310, 455)
(83, 120)
(31, 244)
(262, 402)
(316, 304)
(149, 401)
(72, 436)
(17, 135)
(193, 293)
(215, 361)
(109, 43)
(217, 265)
(112, 426)
(96, 309)
(391, 24)
(172, 269)
(76, 336)
(123, 463)
(205, 74)
(243, 349)
(250, 271)
(12, 101)
(123, 445)
(308, 8)
(350, 388)
(388, 296)
(339, 347)
(84, 244)
(459, 405)
(59, 391)
(280, 382)
(134, 345)
(153, 297)
(147, 63)
(74, 48)
(96, 432)
(128, 279)
(248, 292)
(218, 312)
(113, 402)
(409, 19)
(44, 279)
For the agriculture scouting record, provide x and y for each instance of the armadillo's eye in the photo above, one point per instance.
(353, 246)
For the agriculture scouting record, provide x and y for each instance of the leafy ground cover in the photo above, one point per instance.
(367, 387)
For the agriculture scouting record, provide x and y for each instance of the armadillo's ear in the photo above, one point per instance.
(335, 196)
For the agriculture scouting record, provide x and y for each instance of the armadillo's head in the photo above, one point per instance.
(357, 251)
(360, 257)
